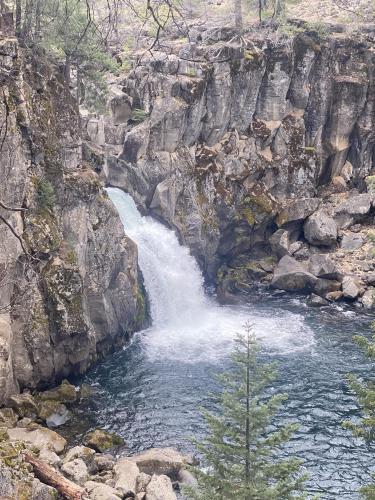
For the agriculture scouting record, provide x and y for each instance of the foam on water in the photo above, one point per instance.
(187, 325)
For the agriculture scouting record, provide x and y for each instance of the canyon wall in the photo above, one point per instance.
(259, 150)
(69, 284)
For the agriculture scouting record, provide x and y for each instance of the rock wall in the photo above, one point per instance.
(237, 141)
(69, 284)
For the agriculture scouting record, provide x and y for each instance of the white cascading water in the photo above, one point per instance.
(187, 325)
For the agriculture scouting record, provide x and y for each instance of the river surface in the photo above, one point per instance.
(151, 391)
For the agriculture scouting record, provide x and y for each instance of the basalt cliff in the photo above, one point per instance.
(258, 150)
(69, 284)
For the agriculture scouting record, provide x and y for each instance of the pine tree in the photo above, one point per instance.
(365, 392)
(240, 451)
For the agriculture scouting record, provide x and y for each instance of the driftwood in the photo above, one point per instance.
(50, 476)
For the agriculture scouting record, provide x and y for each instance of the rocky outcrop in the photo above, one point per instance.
(69, 285)
(99, 476)
(241, 137)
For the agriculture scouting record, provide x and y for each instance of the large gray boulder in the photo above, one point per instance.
(297, 210)
(351, 242)
(353, 209)
(76, 470)
(322, 266)
(293, 276)
(126, 473)
(351, 287)
(279, 242)
(160, 488)
(368, 298)
(38, 437)
(320, 229)
(324, 287)
(99, 491)
(160, 461)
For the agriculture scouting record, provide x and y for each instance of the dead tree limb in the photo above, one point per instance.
(50, 476)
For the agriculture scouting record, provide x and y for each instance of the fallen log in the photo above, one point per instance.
(50, 476)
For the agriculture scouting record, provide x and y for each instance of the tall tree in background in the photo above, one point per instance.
(365, 393)
(238, 19)
(279, 8)
(240, 451)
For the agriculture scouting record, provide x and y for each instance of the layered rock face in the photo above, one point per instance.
(69, 285)
(252, 147)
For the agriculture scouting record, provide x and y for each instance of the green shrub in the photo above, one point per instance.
(138, 115)
(45, 194)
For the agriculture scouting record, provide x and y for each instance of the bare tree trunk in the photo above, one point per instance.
(28, 20)
(238, 14)
(38, 15)
(18, 17)
(67, 69)
(279, 8)
(50, 476)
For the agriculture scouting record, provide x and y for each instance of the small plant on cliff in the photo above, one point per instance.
(240, 451)
(45, 194)
(138, 115)
(365, 393)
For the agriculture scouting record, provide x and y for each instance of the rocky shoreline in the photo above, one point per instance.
(30, 444)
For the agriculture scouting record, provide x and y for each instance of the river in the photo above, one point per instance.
(151, 391)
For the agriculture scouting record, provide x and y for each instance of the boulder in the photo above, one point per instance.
(41, 491)
(64, 393)
(160, 461)
(297, 211)
(24, 404)
(351, 287)
(126, 473)
(160, 488)
(368, 298)
(100, 491)
(54, 413)
(136, 143)
(38, 436)
(324, 287)
(104, 462)
(142, 482)
(317, 301)
(351, 242)
(101, 440)
(279, 242)
(322, 266)
(84, 453)
(295, 247)
(50, 457)
(359, 204)
(76, 470)
(293, 276)
(320, 229)
(352, 210)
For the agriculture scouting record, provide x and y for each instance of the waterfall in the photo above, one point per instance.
(173, 279)
(187, 325)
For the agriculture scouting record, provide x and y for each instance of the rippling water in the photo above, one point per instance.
(151, 392)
